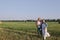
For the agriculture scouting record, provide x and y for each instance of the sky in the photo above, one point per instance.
(29, 9)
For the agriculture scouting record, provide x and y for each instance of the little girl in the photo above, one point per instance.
(44, 30)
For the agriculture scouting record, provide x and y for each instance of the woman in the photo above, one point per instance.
(44, 30)
(38, 25)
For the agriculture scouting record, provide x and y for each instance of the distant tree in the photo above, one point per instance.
(58, 20)
(51, 20)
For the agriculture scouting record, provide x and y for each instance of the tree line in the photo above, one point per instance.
(47, 20)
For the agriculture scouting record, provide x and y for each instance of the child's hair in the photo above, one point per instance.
(43, 21)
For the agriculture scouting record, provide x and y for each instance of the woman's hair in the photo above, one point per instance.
(38, 19)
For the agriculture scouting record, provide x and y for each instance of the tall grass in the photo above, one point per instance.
(53, 29)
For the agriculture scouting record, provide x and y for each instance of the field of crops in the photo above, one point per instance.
(26, 31)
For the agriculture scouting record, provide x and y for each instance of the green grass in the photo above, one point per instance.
(53, 29)
(19, 25)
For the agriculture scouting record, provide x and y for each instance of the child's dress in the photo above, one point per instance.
(44, 31)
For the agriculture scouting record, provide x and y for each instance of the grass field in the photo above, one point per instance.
(15, 28)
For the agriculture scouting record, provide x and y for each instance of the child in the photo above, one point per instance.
(44, 30)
